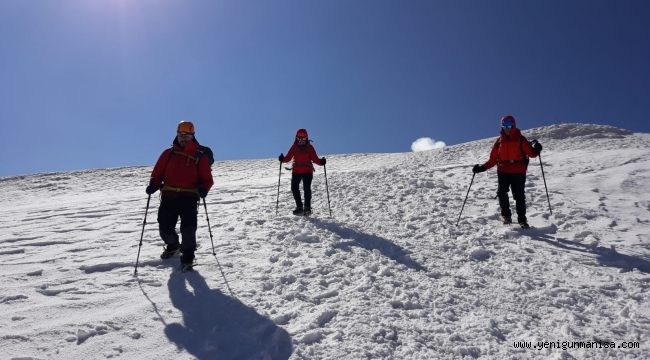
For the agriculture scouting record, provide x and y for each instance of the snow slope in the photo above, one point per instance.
(389, 275)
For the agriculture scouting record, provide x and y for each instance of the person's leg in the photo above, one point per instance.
(306, 184)
(502, 194)
(188, 213)
(295, 189)
(518, 193)
(167, 219)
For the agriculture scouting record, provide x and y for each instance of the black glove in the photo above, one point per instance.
(323, 161)
(202, 192)
(281, 157)
(478, 168)
(537, 146)
(151, 188)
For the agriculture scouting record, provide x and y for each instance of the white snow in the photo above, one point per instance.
(389, 275)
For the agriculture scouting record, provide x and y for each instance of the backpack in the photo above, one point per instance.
(205, 151)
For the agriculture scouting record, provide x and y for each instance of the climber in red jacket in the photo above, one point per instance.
(303, 155)
(182, 174)
(510, 154)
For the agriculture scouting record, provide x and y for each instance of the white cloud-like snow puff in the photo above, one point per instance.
(426, 143)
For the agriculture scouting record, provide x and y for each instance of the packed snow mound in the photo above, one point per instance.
(577, 132)
(390, 275)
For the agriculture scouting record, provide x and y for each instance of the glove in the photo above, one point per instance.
(151, 188)
(537, 146)
(202, 192)
(323, 161)
(281, 157)
(478, 168)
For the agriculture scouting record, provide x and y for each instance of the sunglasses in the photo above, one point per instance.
(507, 125)
(301, 138)
(185, 134)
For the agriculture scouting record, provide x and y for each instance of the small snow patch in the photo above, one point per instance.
(406, 305)
(326, 295)
(267, 286)
(282, 319)
(10, 298)
(307, 238)
(312, 337)
(480, 254)
(89, 269)
(472, 351)
(83, 335)
(326, 317)
(12, 252)
(287, 279)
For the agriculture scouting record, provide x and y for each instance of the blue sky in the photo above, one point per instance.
(95, 84)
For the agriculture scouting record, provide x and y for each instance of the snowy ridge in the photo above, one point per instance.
(390, 275)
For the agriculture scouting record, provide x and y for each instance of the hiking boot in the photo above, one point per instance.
(170, 251)
(507, 220)
(186, 260)
(298, 211)
(307, 212)
(524, 225)
(187, 264)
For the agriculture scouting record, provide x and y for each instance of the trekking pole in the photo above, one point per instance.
(545, 188)
(461, 209)
(328, 190)
(205, 206)
(277, 200)
(224, 276)
(214, 253)
(144, 222)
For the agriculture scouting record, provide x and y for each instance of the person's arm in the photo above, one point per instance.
(205, 177)
(205, 174)
(493, 156)
(528, 148)
(290, 154)
(159, 169)
(314, 157)
(155, 181)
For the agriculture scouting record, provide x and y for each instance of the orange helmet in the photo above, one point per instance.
(185, 126)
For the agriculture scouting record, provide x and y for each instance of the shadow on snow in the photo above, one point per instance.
(369, 242)
(217, 326)
(605, 256)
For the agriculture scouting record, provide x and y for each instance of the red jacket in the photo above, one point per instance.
(177, 168)
(510, 153)
(302, 157)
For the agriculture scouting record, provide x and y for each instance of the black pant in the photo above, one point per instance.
(517, 182)
(170, 209)
(306, 185)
